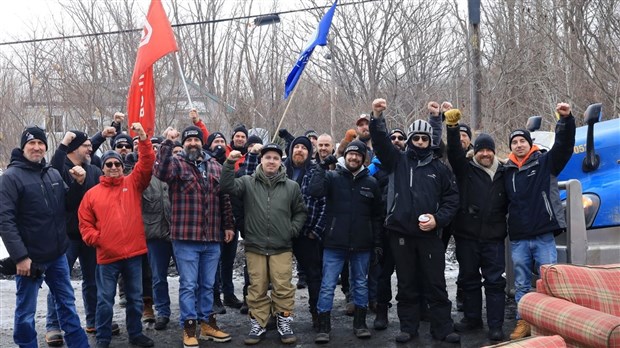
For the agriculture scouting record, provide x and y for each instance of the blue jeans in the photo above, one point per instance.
(528, 253)
(160, 252)
(107, 277)
(197, 263)
(333, 260)
(88, 263)
(57, 278)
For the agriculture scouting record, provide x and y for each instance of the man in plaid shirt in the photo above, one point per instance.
(199, 214)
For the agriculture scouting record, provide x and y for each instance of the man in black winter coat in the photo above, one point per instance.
(479, 228)
(352, 233)
(422, 199)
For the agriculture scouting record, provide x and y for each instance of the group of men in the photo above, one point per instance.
(379, 202)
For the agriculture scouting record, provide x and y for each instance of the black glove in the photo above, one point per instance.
(219, 153)
(283, 133)
(329, 160)
(377, 257)
(8, 267)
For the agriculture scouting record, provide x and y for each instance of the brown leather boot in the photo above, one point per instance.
(522, 329)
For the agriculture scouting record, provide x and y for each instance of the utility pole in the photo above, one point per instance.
(476, 79)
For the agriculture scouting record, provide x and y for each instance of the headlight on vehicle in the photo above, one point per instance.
(591, 203)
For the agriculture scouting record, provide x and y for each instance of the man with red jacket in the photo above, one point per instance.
(111, 221)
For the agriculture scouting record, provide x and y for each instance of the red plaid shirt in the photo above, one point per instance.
(199, 211)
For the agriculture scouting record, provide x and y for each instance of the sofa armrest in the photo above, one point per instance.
(571, 321)
(533, 342)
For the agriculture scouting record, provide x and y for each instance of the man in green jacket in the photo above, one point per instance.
(274, 213)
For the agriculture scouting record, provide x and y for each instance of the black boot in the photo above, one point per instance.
(244, 307)
(315, 319)
(359, 323)
(381, 320)
(325, 327)
(218, 306)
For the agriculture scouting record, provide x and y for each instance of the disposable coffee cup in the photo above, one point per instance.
(423, 218)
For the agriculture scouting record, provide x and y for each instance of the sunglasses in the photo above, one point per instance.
(399, 137)
(123, 146)
(418, 137)
(115, 164)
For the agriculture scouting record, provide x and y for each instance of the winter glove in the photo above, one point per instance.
(328, 161)
(377, 257)
(219, 153)
(283, 133)
(8, 267)
(452, 117)
(350, 135)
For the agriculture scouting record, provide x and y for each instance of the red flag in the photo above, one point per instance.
(157, 41)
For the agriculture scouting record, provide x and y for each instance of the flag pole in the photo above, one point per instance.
(285, 111)
(189, 99)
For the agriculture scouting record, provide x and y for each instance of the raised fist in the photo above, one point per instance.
(445, 106)
(69, 136)
(563, 109)
(137, 127)
(78, 174)
(108, 132)
(119, 117)
(452, 117)
(255, 149)
(193, 115)
(378, 106)
(433, 108)
(328, 161)
(234, 156)
(171, 134)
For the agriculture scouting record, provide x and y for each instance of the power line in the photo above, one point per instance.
(179, 25)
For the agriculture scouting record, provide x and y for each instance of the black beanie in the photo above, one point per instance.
(158, 139)
(304, 140)
(80, 138)
(254, 139)
(111, 154)
(191, 131)
(398, 130)
(357, 146)
(484, 141)
(32, 133)
(123, 138)
(311, 133)
(212, 137)
(465, 128)
(239, 128)
(520, 133)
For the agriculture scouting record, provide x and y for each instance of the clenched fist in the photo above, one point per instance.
(433, 108)
(234, 156)
(445, 106)
(378, 106)
(137, 127)
(108, 132)
(452, 117)
(193, 115)
(78, 174)
(119, 117)
(563, 109)
(69, 136)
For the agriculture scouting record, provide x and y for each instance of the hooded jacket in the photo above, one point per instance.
(156, 210)
(483, 203)
(353, 208)
(274, 209)
(111, 212)
(535, 207)
(32, 210)
(416, 186)
(63, 164)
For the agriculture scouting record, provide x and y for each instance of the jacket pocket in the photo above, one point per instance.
(189, 184)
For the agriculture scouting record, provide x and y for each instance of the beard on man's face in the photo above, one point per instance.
(193, 152)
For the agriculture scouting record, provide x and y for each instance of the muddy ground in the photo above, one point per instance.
(237, 325)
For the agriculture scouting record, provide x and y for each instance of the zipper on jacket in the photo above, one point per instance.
(514, 188)
(44, 195)
(410, 177)
(547, 205)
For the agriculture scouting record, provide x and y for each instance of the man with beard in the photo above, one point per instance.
(422, 199)
(238, 142)
(33, 198)
(306, 246)
(274, 215)
(479, 228)
(75, 150)
(199, 214)
(362, 133)
(353, 214)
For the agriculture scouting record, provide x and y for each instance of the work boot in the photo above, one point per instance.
(315, 319)
(522, 329)
(232, 301)
(284, 321)
(301, 283)
(189, 334)
(381, 318)
(244, 307)
(53, 338)
(452, 337)
(468, 324)
(256, 334)
(161, 323)
(141, 341)
(359, 323)
(496, 334)
(325, 327)
(148, 315)
(210, 331)
(218, 307)
(404, 337)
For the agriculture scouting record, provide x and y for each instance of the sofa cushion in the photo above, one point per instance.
(534, 342)
(595, 287)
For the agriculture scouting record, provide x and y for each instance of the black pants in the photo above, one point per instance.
(421, 260)
(486, 257)
(308, 254)
(384, 283)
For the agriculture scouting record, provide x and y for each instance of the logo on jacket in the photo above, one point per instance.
(124, 189)
(533, 172)
(433, 176)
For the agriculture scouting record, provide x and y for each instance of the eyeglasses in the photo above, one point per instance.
(399, 137)
(123, 146)
(87, 145)
(418, 137)
(115, 164)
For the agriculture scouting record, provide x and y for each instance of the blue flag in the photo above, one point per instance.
(318, 38)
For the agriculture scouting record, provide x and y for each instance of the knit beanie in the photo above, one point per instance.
(304, 140)
(157, 139)
(80, 138)
(239, 128)
(122, 138)
(398, 130)
(357, 146)
(111, 154)
(191, 131)
(484, 141)
(520, 133)
(254, 139)
(212, 138)
(311, 133)
(465, 128)
(32, 133)
(419, 127)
